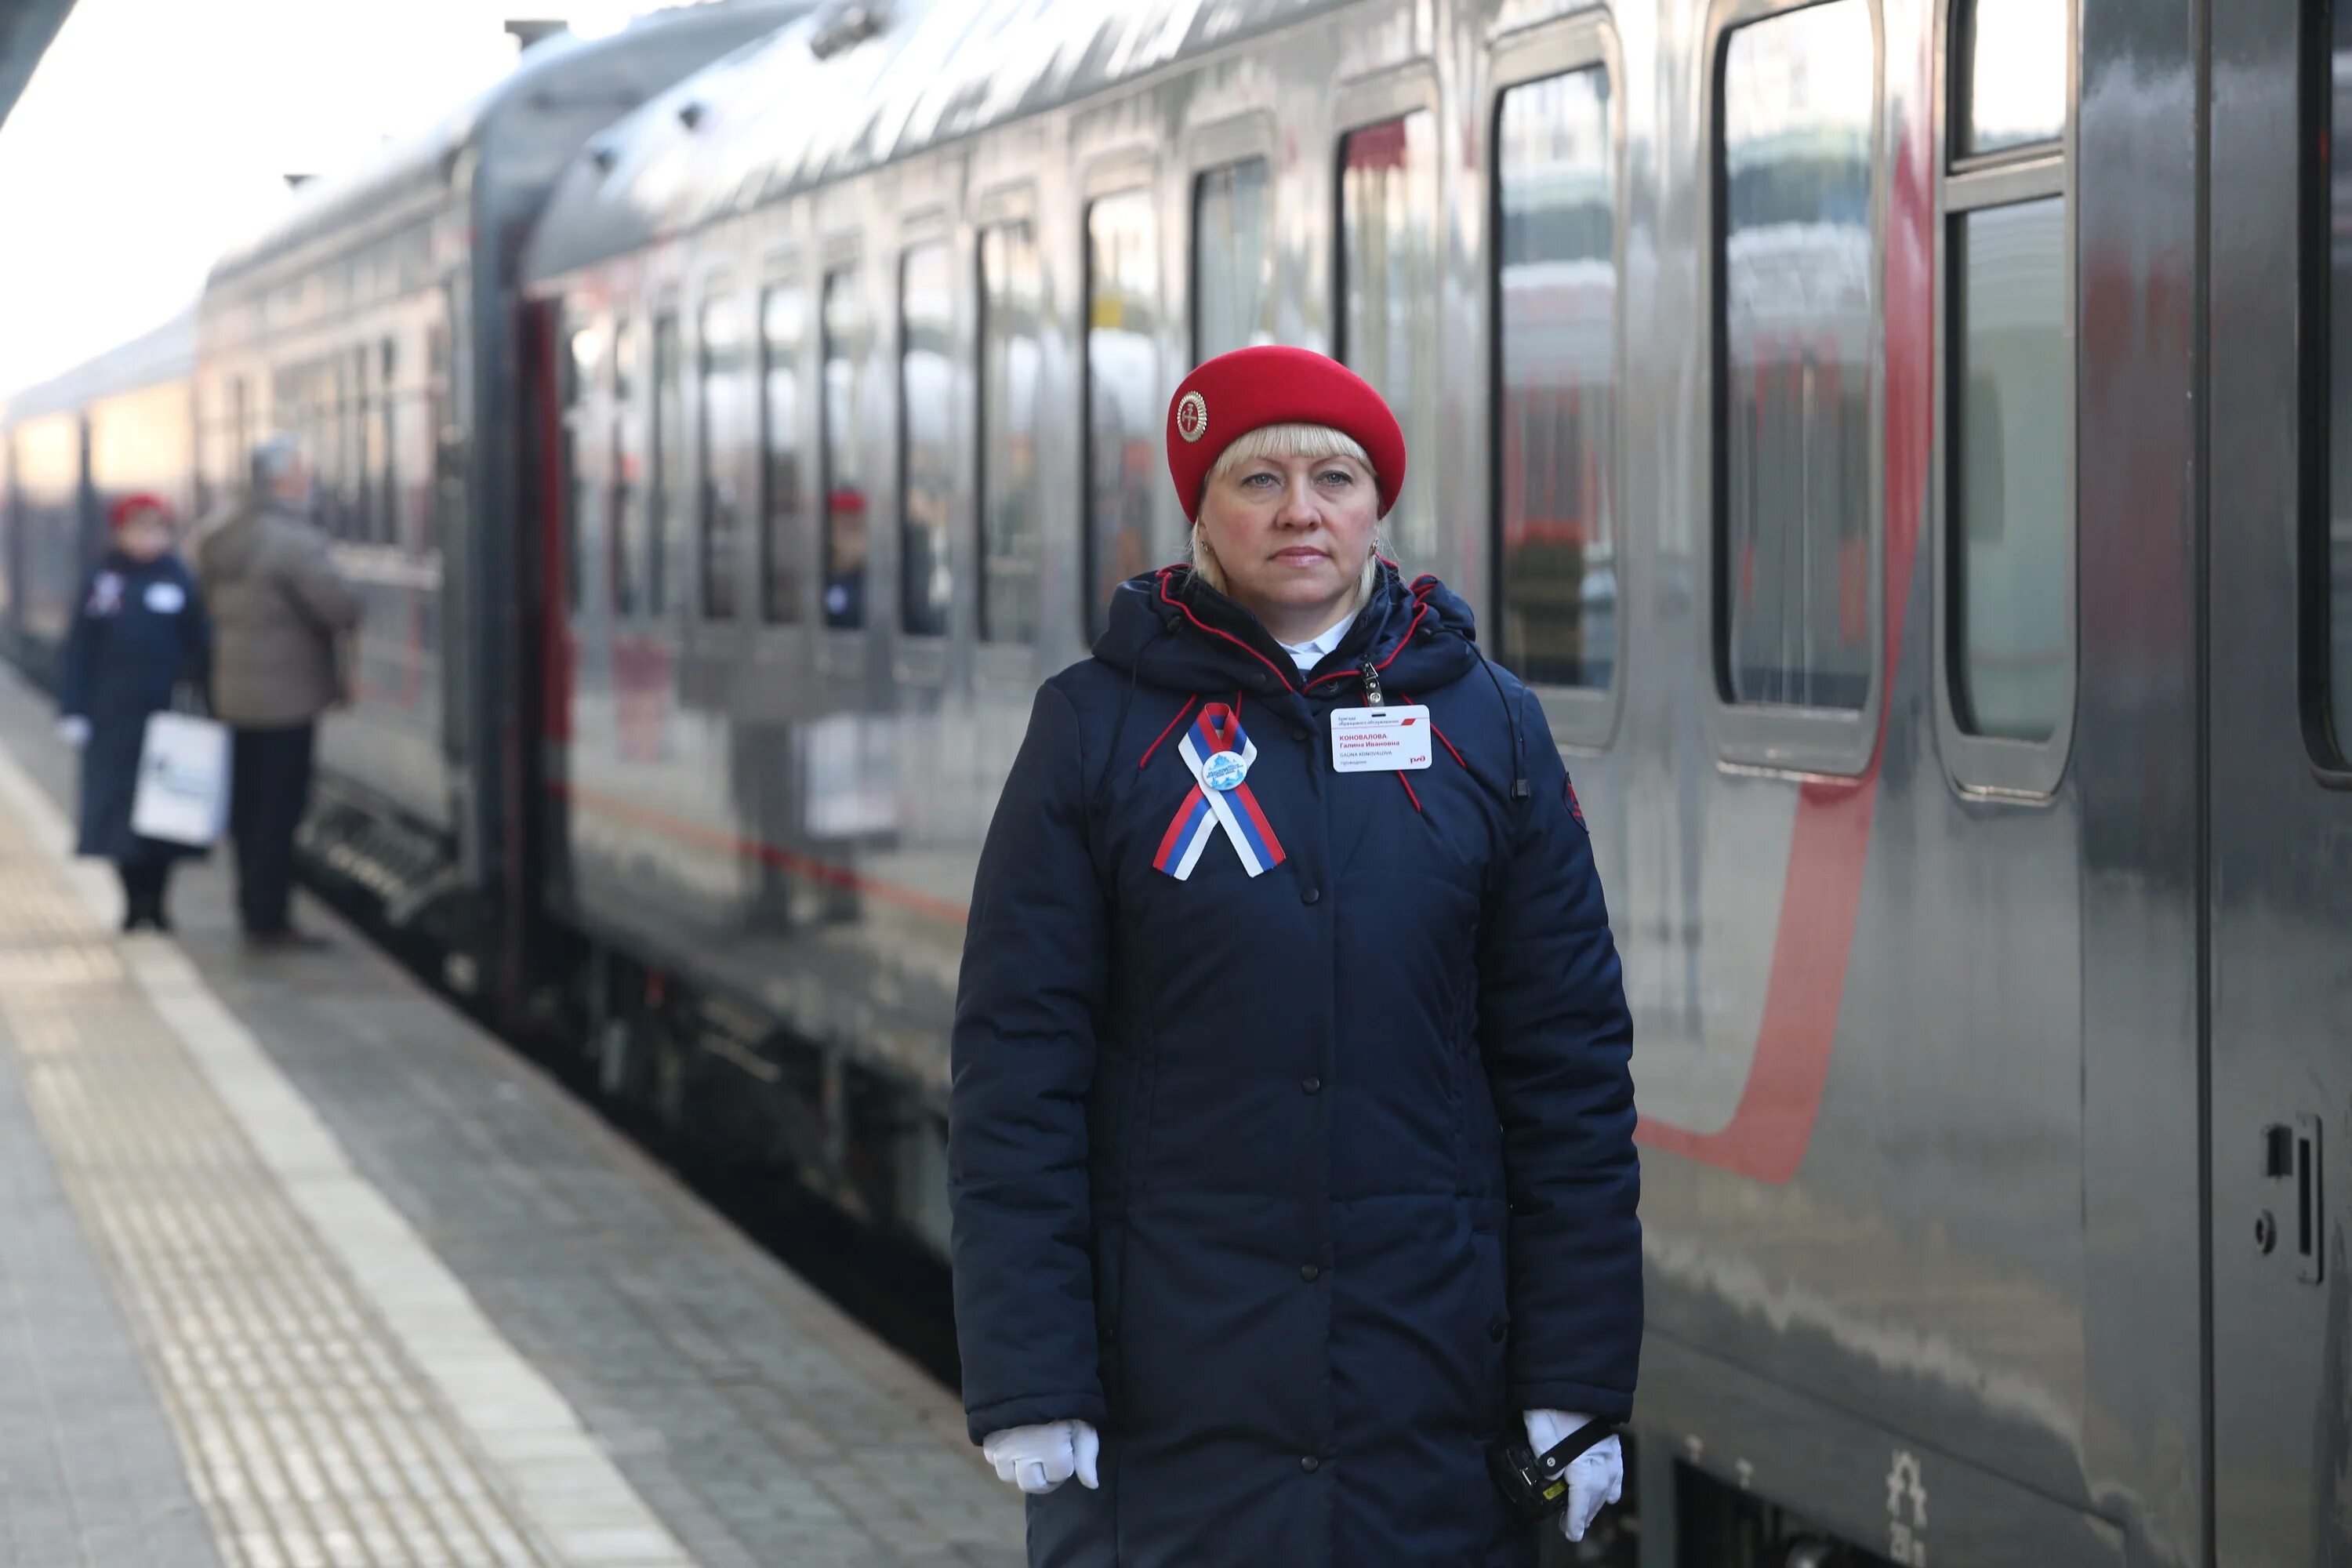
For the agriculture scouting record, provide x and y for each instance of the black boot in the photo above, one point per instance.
(142, 897)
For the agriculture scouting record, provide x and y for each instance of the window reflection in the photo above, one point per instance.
(846, 344)
(1389, 286)
(669, 462)
(2016, 77)
(719, 449)
(1232, 269)
(1123, 395)
(1799, 301)
(1558, 341)
(2339, 444)
(926, 452)
(783, 531)
(1011, 358)
(2010, 420)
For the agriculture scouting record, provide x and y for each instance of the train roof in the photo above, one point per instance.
(859, 85)
(165, 353)
(556, 67)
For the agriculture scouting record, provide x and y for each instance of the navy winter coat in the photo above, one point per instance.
(1300, 1188)
(141, 631)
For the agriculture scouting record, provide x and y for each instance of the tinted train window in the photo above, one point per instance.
(387, 443)
(624, 526)
(783, 533)
(582, 357)
(1387, 283)
(848, 340)
(2013, 67)
(2339, 367)
(342, 421)
(1124, 395)
(1233, 264)
(2010, 501)
(1555, 336)
(718, 448)
(667, 445)
(1798, 303)
(2008, 390)
(926, 440)
(1012, 355)
(367, 454)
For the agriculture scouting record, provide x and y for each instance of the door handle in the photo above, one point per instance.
(2295, 1154)
(2310, 1253)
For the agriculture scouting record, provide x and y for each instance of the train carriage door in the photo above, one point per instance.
(2279, 886)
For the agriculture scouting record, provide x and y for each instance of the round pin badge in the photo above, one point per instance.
(1193, 417)
(1224, 770)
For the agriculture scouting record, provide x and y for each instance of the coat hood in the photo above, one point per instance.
(1169, 629)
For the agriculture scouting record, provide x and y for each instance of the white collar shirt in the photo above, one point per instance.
(1308, 654)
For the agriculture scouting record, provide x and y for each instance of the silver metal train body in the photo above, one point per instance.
(1894, 434)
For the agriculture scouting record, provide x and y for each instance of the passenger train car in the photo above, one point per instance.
(69, 448)
(1899, 437)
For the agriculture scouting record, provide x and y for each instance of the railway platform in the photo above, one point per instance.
(302, 1269)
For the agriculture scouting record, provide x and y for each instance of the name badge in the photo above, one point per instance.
(166, 598)
(1381, 740)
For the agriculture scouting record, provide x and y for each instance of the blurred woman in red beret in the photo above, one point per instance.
(1291, 1149)
(139, 635)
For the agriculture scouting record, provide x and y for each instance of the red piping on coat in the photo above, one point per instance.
(1437, 731)
(1180, 715)
(1186, 611)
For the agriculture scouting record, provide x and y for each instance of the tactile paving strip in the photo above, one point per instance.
(310, 1438)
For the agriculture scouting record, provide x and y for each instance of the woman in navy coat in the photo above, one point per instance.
(140, 634)
(1291, 1148)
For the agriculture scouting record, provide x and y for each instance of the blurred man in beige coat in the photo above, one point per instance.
(281, 614)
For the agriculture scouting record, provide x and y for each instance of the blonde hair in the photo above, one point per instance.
(1308, 441)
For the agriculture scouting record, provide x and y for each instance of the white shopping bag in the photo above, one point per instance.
(182, 795)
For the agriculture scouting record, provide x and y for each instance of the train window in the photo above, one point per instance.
(624, 524)
(2338, 306)
(1012, 489)
(1556, 340)
(848, 334)
(665, 444)
(446, 503)
(1123, 395)
(1388, 277)
(1797, 303)
(582, 358)
(1233, 264)
(2012, 67)
(2006, 512)
(783, 529)
(718, 444)
(926, 439)
(342, 408)
(365, 457)
(2008, 415)
(387, 444)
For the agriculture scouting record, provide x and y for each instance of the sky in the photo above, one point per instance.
(156, 133)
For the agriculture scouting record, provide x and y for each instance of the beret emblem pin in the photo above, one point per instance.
(1193, 417)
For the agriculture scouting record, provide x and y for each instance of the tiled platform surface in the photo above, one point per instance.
(299, 1267)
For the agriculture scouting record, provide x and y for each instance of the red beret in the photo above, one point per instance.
(1249, 389)
(121, 511)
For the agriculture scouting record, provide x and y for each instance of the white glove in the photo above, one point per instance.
(1039, 1459)
(74, 730)
(1596, 1476)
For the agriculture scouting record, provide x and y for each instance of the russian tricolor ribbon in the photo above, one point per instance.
(1219, 751)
